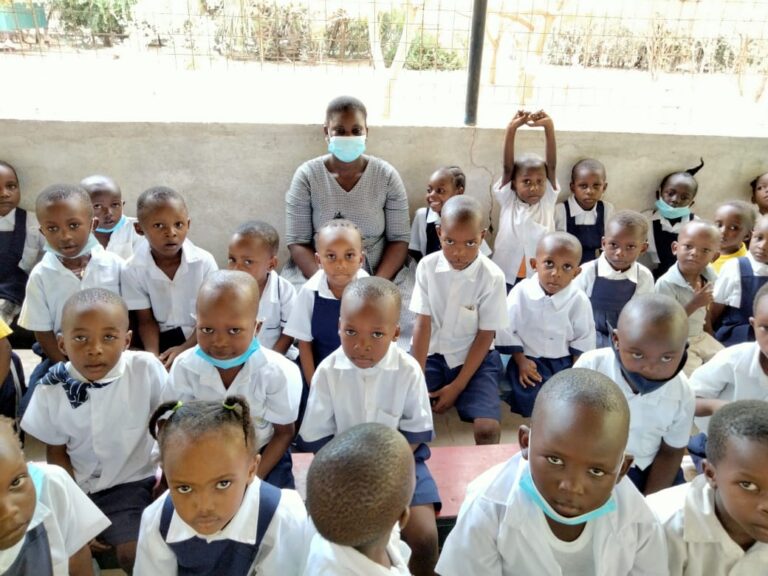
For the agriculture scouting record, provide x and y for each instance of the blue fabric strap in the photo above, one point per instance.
(76, 391)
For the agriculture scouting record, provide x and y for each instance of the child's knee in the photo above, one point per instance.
(421, 531)
(487, 431)
(126, 555)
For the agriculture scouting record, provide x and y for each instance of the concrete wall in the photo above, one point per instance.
(233, 172)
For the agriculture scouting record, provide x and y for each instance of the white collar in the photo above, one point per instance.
(534, 290)
(432, 216)
(271, 291)
(754, 369)
(605, 270)
(115, 373)
(319, 283)
(189, 253)
(576, 209)
(389, 362)
(470, 272)
(759, 267)
(676, 276)
(11, 216)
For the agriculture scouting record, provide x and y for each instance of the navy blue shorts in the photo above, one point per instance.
(123, 505)
(521, 399)
(426, 489)
(282, 474)
(480, 399)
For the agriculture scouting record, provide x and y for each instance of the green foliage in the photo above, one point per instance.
(346, 38)
(104, 18)
(425, 53)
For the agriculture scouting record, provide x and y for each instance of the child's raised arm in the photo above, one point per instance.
(519, 120)
(542, 119)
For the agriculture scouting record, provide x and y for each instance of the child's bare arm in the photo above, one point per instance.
(422, 332)
(304, 257)
(446, 396)
(542, 119)
(57, 454)
(276, 447)
(47, 341)
(702, 296)
(5, 359)
(509, 144)
(283, 343)
(81, 562)
(172, 353)
(664, 468)
(307, 360)
(715, 311)
(149, 331)
(708, 406)
(528, 373)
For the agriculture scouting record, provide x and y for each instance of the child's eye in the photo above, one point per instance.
(637, 356)
(110, 337)
(183, 489)
(748, 486)
(74, 226)
(554, 460)
(79, 338)
(230, 260)
(378, 335)
(331, 257)
(549, 264)
(205, 330)
(567, 267)
(223, 484)
(18, 481)
(248, 262)
(179, 225)
(666, 358)
(631, 246)
(448, 241)
(350, 332)
(97, 206)
(116, 204)
(351, 256)
(471, 244)
(158, 225)
(235, 331)
(596, 472)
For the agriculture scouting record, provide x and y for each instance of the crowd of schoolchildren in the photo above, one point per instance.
(170, 394)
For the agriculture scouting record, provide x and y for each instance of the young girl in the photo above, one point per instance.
(760, 192)
(115, 231)
(217, 517)
(735, 220)
(674, 198)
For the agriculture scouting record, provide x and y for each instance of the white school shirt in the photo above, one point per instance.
(582, 217)
(50, 285)
(275, 307)
(71, 520)
(501, 532)
(418, 241)
(329, 559)
(698, 544)
(521, 226)
(652, 254)
(733, 374)
(299, 323)
(728, 285)
(637, 273)
(269, 381)
(543, 326)
(674, 285)
(459, 302)
(106, 437)
(172, 301)
(283, 550)
(125, 239)
(664, 414)
(33, 241)
(393, 393)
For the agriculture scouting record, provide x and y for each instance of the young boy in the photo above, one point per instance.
(735, 220)
(162, 278)
(716, 524)
(646, 362)
(690, 281)
(562, 505)
(359, 487)
(584, 214)
(526, 194)
(115, 231)
(229, 359)
(73, 261)
(253, 249)
(91, 413)
(459, 298)
(736, 286)
(370, 379)
(616, 276)
(550, 321)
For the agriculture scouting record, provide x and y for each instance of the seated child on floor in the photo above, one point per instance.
(550, 321)
(217, 517)
(229, 360)
(162, 278)
(562, 505)
(616, 276)
(735, 220)
(584, 214)
(647, 362)
(716, 524)
(359, 487)
(115, 231)
(90, 411)
(370, 379)
(760, 193)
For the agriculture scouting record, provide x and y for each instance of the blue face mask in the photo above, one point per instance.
(671, 213)
(347, 148)
(642, 384)
(230, 362)
(115, 228)
(89, 246)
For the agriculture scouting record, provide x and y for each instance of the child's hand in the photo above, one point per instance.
(169, 356)
(540, 118)
(98, 547)
(528, 373)
(702, 296)
(520, 119)
(444, 399)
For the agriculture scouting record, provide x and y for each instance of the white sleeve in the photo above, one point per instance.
(417, 414)
(663, 287)
(179, 385)
(508, 336)
(472, 547)
(283, 393)
(209, 265)
(40, 419)
(582, 281)
(560, 223)
(609, 212)
(158, 379)
(153, 556)
(420, 296)
(35, 314)
(299, 323)
(134, 292)
(679, 432)
(319, 419)
(492, 307)
(285, 546)
(711, 378)
(644, 280)
(503, 194)
(650, 551)
(728, 284)
(583, 322)
(588, 360)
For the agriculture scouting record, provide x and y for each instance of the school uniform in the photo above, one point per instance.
(392, 393)
(267, 534)
(459, 303)
(124, 239)
(269, 381)
(697, 543)
(587, 225)
(549, 330)
(104, 428)
(736, 287)
(21, 244)
(664, 414)
(172, 302)
(502, 532)
(609, 291)
(13, 387)
(702, 346)
(275, 307)
(661, 233)
(63, 522)
(329, 559)
(424, 238)
(521, 226)
(723, 258)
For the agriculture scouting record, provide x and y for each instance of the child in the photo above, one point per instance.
(314, 320)
(584, 214)
(550, 321)
(115, 231)
(760, 193)
(562, 505)
(253, 249)
(526, 193)
(716, 524)
(74, 261)
(674, 198)
(459, 299)
(616, 276)
(20, 244)
(47, 521)
(89, 413)
(690, 281)
(217, 517)
(12, 386)
(162, 278)
(444, 183)
(735, 220)
(736, 286)
(229, 360)
(646, 362)
(370, 379)
(359, 487)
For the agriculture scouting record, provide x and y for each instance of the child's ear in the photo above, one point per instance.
(572, 187)
(253, 467)
(674, 247)
(128, 337)
(459, 190)
(60, 344)
(257, 327)
(317, 260)
(483, 233)
(137, 228)
(576, 272)
(524, 439)
(325, 132)
(605, 187)
(189, 223)
(716, 256)
(710, 473)
(532, 263)
(397, 333)
(643, 247)
(94, 223)
(615, 338)
(625, 466)
(273, 262)
(752, 322)
(602, 243)
(404, 517)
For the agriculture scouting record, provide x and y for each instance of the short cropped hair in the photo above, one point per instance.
(99, 183)
(561, 239)
(701, 224)
(740, 419)
(630, 219)
(338, 223)
(372, 289)
(232, 280)
(653, 309)
(528, 160)
(5, 164)
(155, 196)
(342, 104)
(689, 173)
(761, 293)
(62, 192)
(745, 210)
(461, 210)
(83, 299)
(588, 164)
(262, 231)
